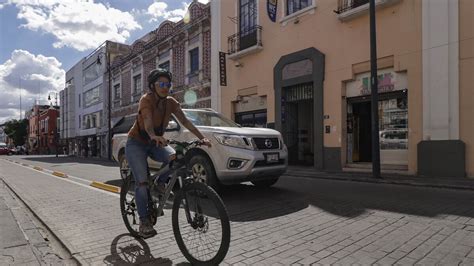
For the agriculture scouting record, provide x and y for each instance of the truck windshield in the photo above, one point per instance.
(209, 119)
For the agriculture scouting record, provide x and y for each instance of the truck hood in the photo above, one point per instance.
(243, 131)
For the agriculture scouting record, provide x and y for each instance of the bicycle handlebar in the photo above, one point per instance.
(183, 143)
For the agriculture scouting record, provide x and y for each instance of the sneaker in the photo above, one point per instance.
(146, 230)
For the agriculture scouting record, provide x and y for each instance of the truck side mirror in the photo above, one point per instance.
(172, 126)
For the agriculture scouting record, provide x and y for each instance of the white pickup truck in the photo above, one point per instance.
(238, 154)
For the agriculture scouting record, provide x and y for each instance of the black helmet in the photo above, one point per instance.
(155, 74)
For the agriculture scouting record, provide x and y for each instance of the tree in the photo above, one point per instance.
(17, 130)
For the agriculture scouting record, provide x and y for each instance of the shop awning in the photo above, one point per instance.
(124, 124)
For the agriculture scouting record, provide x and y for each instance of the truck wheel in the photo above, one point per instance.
(266, 182)
(203, 171)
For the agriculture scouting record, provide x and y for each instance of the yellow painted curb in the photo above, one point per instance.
(38, 168)
(59, 174)
(106, 187)
(24, 164)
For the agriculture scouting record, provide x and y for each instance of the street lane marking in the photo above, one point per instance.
(106, 187)
(75, 182)
(60, 174)
(38, 168)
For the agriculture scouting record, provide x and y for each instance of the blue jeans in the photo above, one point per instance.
(137, 153)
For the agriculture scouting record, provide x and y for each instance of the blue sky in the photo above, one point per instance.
(41, 39)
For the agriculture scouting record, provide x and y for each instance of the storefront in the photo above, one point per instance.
(393, 118)
(251, 111)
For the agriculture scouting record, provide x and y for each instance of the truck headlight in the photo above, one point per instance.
(234, 141)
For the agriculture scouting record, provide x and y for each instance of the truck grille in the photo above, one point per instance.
(267, 143)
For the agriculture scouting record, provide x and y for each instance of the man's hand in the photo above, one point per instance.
(206, 142)
(159, 140)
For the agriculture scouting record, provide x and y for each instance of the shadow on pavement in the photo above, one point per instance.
(63, 160)
(115, 182)
(356, 198)
(127, 250)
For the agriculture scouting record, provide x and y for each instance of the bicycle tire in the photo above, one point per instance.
(123, 198)
(224, 222)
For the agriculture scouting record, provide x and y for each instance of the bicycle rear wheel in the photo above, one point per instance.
(128, 206)
(201, 224)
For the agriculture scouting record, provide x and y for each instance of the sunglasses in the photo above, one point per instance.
(162, 84)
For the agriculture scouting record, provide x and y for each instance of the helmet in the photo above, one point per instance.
(155, 74)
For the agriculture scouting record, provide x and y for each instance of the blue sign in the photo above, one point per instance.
(272, 9)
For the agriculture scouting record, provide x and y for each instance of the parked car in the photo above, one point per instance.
(4, 150)
(238, 154)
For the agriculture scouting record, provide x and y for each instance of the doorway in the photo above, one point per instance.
(297, 123)
(361, 132)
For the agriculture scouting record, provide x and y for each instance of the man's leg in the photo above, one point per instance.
(136, 154)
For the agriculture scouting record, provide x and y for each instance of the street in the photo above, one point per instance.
(298, 221)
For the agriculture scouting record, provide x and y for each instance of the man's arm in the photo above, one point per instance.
(187, 124)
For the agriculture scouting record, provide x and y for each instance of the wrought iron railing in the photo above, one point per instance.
(245, 39)
(346, 5)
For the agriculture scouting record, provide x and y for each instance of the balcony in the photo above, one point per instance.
(245, 42)
(349, 9)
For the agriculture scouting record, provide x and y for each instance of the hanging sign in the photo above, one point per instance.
(272, 9)
(222, 69)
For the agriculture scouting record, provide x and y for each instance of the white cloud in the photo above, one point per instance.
(81, 25)
(159, 11)
(38, 77)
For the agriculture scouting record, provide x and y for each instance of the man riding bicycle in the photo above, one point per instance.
(145, 139)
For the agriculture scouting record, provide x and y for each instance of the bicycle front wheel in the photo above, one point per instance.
(201, 224)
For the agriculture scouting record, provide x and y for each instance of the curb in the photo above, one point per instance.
(413, 183)
(38, 168)
(60, 174)
(109, 188)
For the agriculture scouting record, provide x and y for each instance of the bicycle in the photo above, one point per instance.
(190, 201)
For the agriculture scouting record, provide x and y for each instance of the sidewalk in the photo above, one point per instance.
(387, 178)
(21, 241)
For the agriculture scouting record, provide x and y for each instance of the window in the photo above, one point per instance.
(91, 73)
(92, 96)
(137, 84)
(79, 121)
(80, 100)
(58, 124)
(194, 60)
(247, 15)
(252, 119)
(117, 92)
(165, 65)
(91, 120)
(293, 6)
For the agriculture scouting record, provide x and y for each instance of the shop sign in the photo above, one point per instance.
(388, 81)
(222, 69)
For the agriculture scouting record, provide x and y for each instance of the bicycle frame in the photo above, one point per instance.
(171, 165)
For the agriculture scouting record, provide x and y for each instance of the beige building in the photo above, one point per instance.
(302, 67)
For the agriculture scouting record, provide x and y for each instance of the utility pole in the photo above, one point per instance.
(19, 81)
(374, 94)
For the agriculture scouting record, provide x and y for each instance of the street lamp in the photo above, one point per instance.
(109, 133)
(55, 98)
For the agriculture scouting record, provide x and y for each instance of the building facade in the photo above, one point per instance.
(37, 135)
(303, 67)
(84, 102)
(49, 133)
(182, 47)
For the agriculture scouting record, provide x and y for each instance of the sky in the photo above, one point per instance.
(42, 39)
